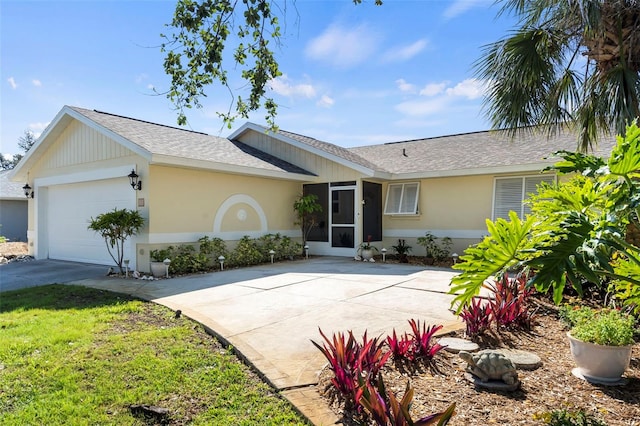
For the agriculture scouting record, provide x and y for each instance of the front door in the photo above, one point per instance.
(343, 224)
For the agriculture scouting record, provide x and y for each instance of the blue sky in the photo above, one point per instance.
(353, 75)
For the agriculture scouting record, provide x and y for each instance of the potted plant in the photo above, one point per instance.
(366, 249)
(157, 266)
(600, 341)
(402, 250)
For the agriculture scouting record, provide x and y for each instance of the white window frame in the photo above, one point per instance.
(523, 196)
(414, 210)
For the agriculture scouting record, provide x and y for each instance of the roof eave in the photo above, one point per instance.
(518, 168)
(20, 173)
(190, 163)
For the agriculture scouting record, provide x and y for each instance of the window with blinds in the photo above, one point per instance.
(510, 194)
(402, 198)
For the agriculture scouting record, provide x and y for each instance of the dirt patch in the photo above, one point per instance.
(547, 388)
(14, 251)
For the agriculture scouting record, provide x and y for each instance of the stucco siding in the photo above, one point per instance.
(76, 147)
(192, 201)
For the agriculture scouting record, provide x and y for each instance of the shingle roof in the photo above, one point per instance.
(464, 152)
(330, 148)
(180, 143)
(9, 189)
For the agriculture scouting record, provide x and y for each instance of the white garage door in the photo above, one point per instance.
(70, 209)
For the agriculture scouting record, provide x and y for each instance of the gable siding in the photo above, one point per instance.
(326, 170)
(78, 145)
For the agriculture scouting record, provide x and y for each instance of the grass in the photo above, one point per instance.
(77, 356)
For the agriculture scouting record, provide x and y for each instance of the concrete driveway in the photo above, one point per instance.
(269, 313)
(18, 275)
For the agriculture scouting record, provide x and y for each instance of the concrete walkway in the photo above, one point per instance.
(269, 313)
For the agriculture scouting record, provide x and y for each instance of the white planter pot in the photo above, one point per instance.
(158, 269)
(598, 363)
(366, 254)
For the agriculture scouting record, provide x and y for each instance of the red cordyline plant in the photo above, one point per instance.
(385, 409)
(477, 317)
(350, 360)
(416, 346)
(510, 302)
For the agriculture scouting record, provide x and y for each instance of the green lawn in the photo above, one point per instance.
(77, 356)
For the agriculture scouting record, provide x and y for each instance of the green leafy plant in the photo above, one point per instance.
(402, 250)
(247, 252)
(610, 327)
(565, 417)
(366, 245)
(213, 248)
(575, 234)
(115, 227)
(305, 207)
(438, 250)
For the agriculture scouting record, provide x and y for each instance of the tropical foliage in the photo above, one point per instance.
(575, 235)
(115, 227)
(569, 61)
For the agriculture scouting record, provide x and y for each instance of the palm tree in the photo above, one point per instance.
(569, 61)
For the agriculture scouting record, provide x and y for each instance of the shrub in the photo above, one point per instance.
(565, 417)
(184, 259)
(213, 248)
(509, 306)
(418, 345)
(434, 249)
(115, 227)
(477, 317)
(246, 253)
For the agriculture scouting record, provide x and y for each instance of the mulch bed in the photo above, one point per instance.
(550, 387)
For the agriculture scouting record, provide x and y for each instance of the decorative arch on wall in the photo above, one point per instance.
(237, 199)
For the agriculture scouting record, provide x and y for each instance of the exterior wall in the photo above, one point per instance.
(14, 219)
(454, 207)
(187, 204)
(326, 170)
(78, 154)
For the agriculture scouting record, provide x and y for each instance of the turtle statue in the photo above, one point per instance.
(490, 365)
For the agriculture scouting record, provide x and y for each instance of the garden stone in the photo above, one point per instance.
(455, 345)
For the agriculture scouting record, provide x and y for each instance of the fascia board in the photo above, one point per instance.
(191, 163)
(19, 173)
(472, 172)
(320, 153)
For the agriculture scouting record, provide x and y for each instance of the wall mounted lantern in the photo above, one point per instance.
(27, 191)
(134, 180)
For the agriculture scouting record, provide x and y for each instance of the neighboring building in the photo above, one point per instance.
(194, 185)
(13, 209)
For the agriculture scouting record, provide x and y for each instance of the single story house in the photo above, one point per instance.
(13, 209)
(195, 185)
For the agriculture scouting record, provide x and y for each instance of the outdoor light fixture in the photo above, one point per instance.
(166, 262)
(136, 183)
(384, 254)
(126, 268)
(306, 251)
(221, 260)
(455, 257)
(272, 253)
(27, 191)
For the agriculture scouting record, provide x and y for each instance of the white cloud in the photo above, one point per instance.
(283, 86)
(36, 82)
(459, 7)
(404, 53)
(151, 86)
(325, 101)
(12, 83)
(404, 86)
(343, 47)
(423, 107)
(38, 128)
(470, 88)
(433, 89)
(141, 77)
